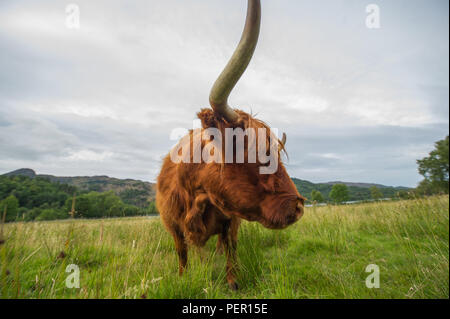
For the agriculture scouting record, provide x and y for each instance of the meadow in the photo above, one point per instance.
(324, 255)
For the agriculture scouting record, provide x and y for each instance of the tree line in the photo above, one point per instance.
(434, 168)
(27, 199)
(340, 193)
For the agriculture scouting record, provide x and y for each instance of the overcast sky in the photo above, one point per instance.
(357, 104)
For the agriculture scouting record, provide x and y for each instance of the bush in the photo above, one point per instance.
(339, 193)
(11, 205)
(51, 214)
(152, 210)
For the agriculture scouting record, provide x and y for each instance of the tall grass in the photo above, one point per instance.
(324, 255)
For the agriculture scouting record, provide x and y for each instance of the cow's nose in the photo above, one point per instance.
(291, 218)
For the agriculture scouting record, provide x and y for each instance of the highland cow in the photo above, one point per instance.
(197, 200)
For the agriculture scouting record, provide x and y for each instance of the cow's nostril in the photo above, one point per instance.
(291, 219)
(299, 209)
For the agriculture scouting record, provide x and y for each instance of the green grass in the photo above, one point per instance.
(324, 255)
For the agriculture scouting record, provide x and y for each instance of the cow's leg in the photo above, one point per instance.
(234, 228)
(229, 240)
(182, 250)
(219, 246)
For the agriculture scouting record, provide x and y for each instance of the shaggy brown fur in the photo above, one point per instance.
(197, 201)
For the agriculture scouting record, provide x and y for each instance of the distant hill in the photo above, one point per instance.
(22, 172)
(357, 191)
(366, 185)
(140, 193)
(133, 192)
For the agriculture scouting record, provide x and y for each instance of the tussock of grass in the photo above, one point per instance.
(322, 256)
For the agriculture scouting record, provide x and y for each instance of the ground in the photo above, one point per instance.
(324, 255)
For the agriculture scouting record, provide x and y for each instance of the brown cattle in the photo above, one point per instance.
(197, 200)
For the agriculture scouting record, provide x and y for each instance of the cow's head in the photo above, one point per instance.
(240, 188)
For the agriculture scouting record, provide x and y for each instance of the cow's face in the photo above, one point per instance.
(272, 200)
(282, 204)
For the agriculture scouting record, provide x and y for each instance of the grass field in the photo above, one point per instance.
(324, 255)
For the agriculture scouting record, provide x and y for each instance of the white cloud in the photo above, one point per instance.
(88, 155)
(375, 112)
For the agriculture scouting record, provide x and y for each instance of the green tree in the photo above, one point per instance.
(317, 197)
(403, 194)
(427, 188)
(152, 208)
(40, 199)
(98, 205)
(32, 214)
(12, 208)
(376, 193)
(339, 193)
(51, 214)
(130, 210)
(435, 168)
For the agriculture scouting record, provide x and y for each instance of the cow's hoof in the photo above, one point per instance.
(233, 286)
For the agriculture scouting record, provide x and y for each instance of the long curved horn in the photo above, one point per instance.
(237, 64)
